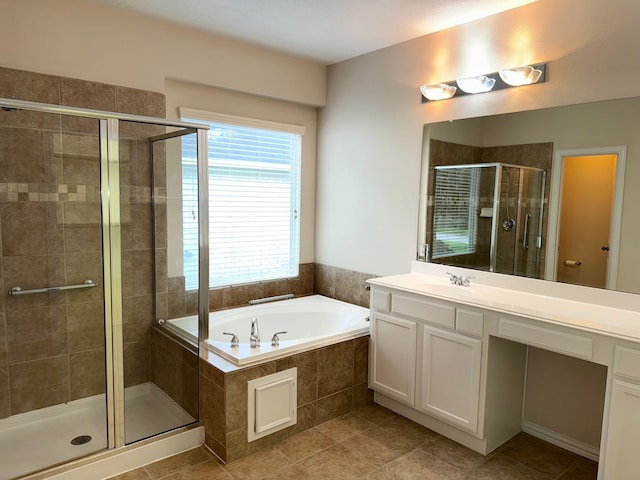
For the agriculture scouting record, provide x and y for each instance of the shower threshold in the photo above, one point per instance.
(36, 440)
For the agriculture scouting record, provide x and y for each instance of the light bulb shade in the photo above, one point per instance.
(518, 76)
(438, 91)
(478, 84)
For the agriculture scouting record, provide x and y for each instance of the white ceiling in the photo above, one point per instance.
(325, 31)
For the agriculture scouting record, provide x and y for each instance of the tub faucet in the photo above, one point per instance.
(254, 338)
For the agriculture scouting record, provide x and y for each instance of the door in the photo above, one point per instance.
(588, 184)
(450, 377)
(160, 370)
(621, 455)
(528, 261)
(519, 234)
(393, 357)
(52, 346)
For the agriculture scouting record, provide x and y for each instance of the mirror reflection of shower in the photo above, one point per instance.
(469, 227)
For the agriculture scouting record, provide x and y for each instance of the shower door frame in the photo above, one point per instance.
(111, 236)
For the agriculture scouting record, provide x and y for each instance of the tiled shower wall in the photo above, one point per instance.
(52, 345)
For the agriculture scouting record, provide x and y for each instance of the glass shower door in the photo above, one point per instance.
(519, 229)
(530, 261)
(52, 340)
(160, 367)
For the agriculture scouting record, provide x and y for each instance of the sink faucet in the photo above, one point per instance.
(254, 338)
(460, 280)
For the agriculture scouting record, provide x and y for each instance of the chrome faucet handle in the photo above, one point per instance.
(235, 343)
(467, 280)
(454, 279)
(275, 340)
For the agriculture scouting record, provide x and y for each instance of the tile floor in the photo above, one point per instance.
(374, 443)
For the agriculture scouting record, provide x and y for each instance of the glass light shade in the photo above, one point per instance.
(438, 91)
(478, 84)
(518, 76)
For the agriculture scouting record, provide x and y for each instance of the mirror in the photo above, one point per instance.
(510, 213)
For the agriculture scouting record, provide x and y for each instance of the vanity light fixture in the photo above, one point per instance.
(505, 78)
(519, 76)
(478, 84)
(439, 91)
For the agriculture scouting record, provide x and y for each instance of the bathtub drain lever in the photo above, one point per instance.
(275, 340)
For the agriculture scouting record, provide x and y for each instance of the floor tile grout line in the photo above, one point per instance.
(528, 466)
(184, 467)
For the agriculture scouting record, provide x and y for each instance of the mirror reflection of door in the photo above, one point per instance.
(588, 185)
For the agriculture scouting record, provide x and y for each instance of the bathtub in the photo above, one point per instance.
(310, 322)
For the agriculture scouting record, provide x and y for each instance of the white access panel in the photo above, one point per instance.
(272, 403)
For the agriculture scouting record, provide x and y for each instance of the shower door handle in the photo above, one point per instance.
(525, 240)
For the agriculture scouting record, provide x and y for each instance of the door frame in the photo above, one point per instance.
(555, 205)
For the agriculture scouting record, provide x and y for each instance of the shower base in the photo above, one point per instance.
(35, 440)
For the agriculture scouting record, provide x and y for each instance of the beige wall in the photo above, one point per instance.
(80, 39)
(566, 395)
(370, 132)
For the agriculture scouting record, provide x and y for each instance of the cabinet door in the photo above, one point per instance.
(623, 444)
(450, 377)
(393, 357)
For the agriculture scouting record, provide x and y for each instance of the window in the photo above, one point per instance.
(254, 200)
(455, 218)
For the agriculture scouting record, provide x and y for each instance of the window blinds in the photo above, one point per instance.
(254, 204)
(455, 218)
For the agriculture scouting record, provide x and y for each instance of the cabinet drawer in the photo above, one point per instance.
(380, 300)
(627, 362)
(432, 312)
(470, 322)
(547, 338)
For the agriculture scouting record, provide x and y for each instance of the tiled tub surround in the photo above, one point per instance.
(342, 284)
(183, 302)
(331, 382)
(174, 368)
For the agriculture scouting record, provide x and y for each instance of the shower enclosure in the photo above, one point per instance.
(488, 216)
(84, 216)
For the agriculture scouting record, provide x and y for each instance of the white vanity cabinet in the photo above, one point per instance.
(621, 459)
(427, 354)
(393, 357)
(450, 377)
(454, 359)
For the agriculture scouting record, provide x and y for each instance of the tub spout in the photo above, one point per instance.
(254, 338)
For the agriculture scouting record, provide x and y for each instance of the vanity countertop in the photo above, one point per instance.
(580, 314)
